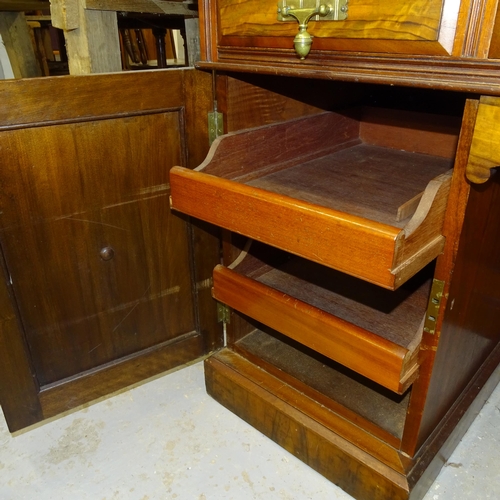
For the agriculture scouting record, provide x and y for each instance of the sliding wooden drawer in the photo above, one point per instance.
(372, 331)
(364, 193)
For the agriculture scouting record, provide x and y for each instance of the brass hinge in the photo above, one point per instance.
(433, 306)
(215, 125)
(223, 313)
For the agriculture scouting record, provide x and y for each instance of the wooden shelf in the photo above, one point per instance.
(362, 192)
(373, 331)
(367, 405)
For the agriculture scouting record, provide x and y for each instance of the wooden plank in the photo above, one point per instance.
(119, 375)
(77, 100)
(485, 148)
(361, 350)
(467, 75)
(192, 40)
(18, 387)
(323, 235)
(92, 40)
(357, 180)
(379, 412)
(452, 228)
(248, 391)
(429, 134)
(331, 414)
(23, 5)
(65, 14)
(176, 8)
(16, 38)
(421, 239)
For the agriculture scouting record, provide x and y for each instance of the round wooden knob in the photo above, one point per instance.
(107, 253)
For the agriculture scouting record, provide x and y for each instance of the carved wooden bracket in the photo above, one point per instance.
(485, 148)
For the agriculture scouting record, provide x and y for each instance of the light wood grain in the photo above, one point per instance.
(485, 149)
(278, 306)
(281, 187)
(92, 41)
(65, 14)
(366, 20)
(17, 39)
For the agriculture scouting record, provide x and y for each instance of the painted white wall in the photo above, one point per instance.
(5, 66)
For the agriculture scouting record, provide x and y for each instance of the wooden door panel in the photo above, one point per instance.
(100, 272)
(96, 310)
(65, 168)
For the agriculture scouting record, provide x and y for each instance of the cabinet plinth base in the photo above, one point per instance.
(259, 398)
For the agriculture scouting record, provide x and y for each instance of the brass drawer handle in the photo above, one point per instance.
(303, 40)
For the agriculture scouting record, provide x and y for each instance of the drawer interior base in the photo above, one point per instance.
(337, 387)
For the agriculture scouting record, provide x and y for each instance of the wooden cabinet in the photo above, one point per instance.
(357, 209)
(104, 286)
(436, 44)
(371, 387)
(367, 385)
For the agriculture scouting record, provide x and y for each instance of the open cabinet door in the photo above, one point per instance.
(102, 286)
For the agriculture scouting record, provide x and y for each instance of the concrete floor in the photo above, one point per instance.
(166, 439)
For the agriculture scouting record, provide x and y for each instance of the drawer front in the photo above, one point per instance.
(375, 355)
(333, 204)
(419, 27)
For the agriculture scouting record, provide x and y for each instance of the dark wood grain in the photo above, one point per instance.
(101, 270)
(124, 372)
(356, 180)
(470, 328)
(255, 396)
(18, 387)
(452, 228)
(81, 195)
(205, 238)
(462, 75)
(355, 398)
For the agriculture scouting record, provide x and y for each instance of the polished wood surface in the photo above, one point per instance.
(252, 191)
(470, 327)
(375, 333)
(357, 402)
(306, 428)
(451, 54)
(432, 425)
(283, 414)
(120, 280)
(370, 26)
(414, 434)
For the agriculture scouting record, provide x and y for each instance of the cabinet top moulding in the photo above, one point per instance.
(451, 56)
(474, 76)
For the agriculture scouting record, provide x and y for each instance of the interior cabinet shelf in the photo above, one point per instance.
(372, 331)
(319, 186)
(366, 405)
